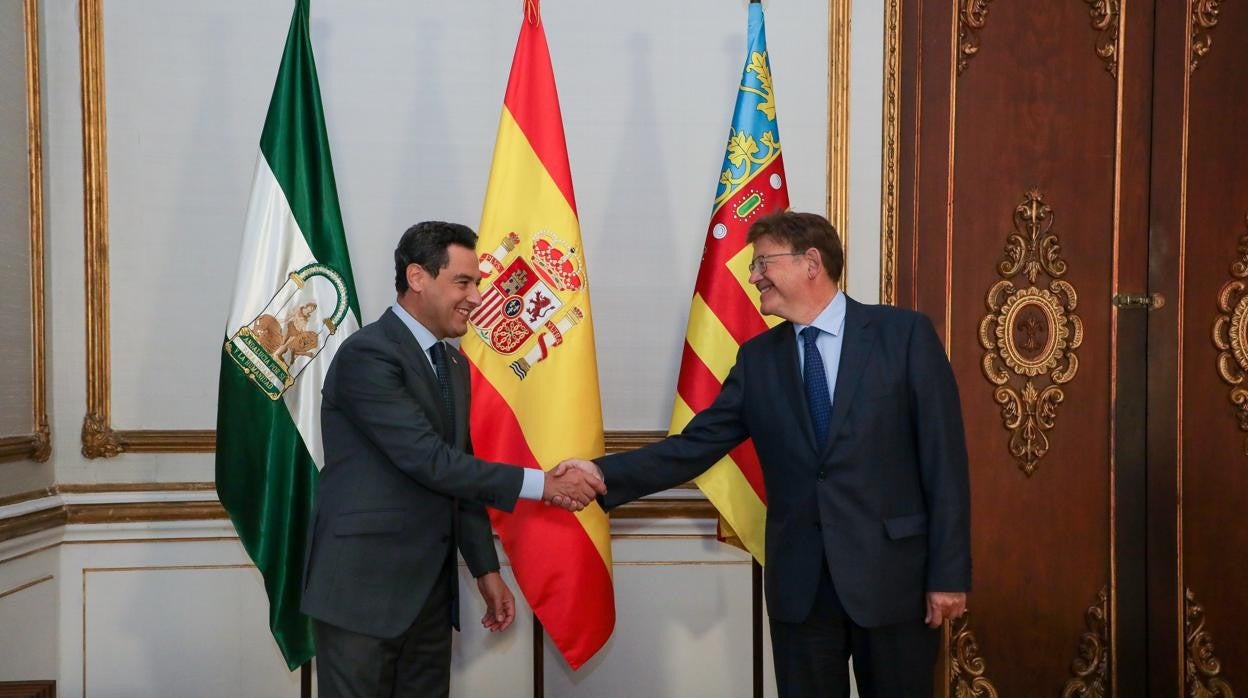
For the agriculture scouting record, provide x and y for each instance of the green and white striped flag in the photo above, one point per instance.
(294, 304)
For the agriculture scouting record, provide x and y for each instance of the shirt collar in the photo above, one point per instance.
(422, 335)
(831, 319)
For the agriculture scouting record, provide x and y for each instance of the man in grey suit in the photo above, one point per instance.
(401, 490)
(855, 416)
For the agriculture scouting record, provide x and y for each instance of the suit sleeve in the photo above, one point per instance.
(709, 436)
(937, 416)
(476, 536)
(368, 388)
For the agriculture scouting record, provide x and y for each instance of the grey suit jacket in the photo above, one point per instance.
(885, 501)
(400, 487)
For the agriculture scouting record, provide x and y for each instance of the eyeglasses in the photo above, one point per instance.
(759, 263)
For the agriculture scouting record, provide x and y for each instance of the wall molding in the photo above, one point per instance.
(35, 446)
(99, 438)
(63, 505)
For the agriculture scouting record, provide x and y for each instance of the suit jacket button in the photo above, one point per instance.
(821, 475)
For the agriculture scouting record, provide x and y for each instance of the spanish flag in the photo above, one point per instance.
(724, 312)
(531, 349)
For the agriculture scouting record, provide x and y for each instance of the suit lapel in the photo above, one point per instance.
(417, 362)
(459, 393)
(855, 350)
(790, 379)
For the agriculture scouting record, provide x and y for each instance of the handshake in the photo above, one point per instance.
(573, 484)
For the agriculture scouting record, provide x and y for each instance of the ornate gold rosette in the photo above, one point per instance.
(1030, 332)
(1230, 335)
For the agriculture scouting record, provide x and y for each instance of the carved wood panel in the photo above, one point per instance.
(1010, 202)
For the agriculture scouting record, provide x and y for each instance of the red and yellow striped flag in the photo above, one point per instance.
(724, 313)
(531, 347)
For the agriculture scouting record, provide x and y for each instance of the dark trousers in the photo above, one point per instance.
(415, 664)
(812, 657)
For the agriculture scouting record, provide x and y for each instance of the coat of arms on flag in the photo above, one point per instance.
(285, 336)
(526, 305)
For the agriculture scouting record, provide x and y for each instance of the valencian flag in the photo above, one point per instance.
(294, 304)
(531, 349)
(724, 312)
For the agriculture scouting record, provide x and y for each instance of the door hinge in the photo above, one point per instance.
(1148, 301)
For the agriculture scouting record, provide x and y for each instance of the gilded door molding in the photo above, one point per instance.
(1090, 668)
(1230, 335)
(37, 445)
(1204, 19)
(1031, 332)
(972, 17)
(1202, 671)
(967, 669)
(1105, 21)
(890, 157)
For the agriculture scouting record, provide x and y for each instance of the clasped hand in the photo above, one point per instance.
(573, 484)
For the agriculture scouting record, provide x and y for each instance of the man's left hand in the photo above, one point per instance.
(944, 605)
(500, 605)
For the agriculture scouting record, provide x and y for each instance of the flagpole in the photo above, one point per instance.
(305, 679)
(756, 594)
(539, 663)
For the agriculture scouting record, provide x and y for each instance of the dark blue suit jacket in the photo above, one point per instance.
(400, 489)
(886, 497)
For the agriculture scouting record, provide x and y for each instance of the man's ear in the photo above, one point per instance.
(814, 263)
(416, 276)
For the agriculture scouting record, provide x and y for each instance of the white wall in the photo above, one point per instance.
(412, 96)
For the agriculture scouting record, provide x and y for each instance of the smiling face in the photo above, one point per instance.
(782, 279)
(443, 302)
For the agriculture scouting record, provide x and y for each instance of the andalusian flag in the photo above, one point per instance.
(294, 304)
(724, 313)
(531, 347)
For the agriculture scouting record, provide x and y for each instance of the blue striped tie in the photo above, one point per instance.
(818, 401)
(443, 370)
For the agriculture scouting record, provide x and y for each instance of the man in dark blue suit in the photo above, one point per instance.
(401, 490)
(855, 415)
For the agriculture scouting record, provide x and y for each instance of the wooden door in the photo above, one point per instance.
(1022, 212)
(1198, 402)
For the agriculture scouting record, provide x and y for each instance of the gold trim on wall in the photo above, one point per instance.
(1090, 668)
(891, 137)
(1202, 671)
(1030, 332)
(27, 585)
(35, 446)
(1204, 19)
(838, 124)
(98, 438)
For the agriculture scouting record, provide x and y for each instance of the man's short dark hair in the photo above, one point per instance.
(802, 231)
(426, 244)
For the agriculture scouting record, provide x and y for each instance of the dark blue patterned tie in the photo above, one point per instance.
(443, 369)
(816, 379)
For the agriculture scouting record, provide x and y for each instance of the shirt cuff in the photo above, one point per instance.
(534, 484)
